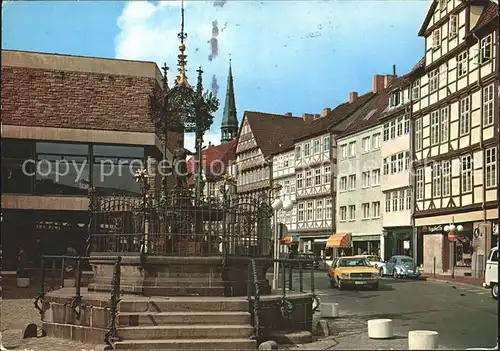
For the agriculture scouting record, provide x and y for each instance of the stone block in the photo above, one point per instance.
(58, 313)
(329, 310)
(23, 282)
(100, 317)
(69, 283)
(268, 345)
(72, 318)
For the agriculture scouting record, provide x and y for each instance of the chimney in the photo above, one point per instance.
(210, 144)
(378, 83)
(394, 70)
(307, 117)
(326, 111)
(389, 79)
(317, 116)
(288, 114)
(353, 96)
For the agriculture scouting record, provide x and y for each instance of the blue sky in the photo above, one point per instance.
(288, 56)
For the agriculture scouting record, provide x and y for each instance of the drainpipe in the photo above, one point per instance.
(481, 147)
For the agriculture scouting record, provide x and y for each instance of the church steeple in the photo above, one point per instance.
(229, 125)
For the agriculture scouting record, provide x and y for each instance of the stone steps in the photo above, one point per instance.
(168, 318)
(185, 304)
(186, 332)
(187, 344)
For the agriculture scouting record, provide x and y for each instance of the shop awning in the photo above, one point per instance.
(339, 240)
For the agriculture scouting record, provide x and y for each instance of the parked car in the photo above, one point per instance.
(373, 260)
(353, 271)
(400, 267)
(491, 274)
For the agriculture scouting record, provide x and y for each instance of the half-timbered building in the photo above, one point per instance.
(455, 120)
(359, 167)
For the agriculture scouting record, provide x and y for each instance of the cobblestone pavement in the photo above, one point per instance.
(16, 312)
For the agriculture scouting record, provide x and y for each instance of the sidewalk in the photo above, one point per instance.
(456, 280)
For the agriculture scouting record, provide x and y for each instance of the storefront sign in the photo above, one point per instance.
(432, 229)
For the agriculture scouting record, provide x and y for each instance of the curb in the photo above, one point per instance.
(452, 282)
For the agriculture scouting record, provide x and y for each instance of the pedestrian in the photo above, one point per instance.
(70, 266)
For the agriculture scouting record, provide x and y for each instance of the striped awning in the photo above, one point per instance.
(339, 240)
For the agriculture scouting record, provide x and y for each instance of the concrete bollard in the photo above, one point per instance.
(329, 310)
(423, 340)
(69, 283)
(380, 329)
(268, 345)
(23, 282)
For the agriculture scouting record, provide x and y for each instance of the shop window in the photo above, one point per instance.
(17, 170)
(61, 169)
(464, 249)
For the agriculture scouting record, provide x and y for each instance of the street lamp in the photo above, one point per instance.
(451, 229)
(277, 205)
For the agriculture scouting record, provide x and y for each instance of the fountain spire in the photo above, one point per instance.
(182, 61)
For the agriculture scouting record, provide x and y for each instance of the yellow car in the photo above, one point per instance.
(353, 271)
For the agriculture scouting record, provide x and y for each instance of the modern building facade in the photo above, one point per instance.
(69, 123)
(456, 119)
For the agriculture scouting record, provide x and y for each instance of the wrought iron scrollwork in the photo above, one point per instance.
(256, 301)
(112, 334)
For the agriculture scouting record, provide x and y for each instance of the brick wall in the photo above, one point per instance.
(66, 99)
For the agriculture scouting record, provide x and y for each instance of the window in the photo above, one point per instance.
(366, 210)
(434, 127)
(298, 152)
(343, 213)
(393, 164)
(317, 176)
(443, 127)
(420, 183)
(308, 179)
(395, 201)
(365, 144)
(401, 200)
(400, 126)
(462, 64)
(486, 49)
(407, 160)
(453, 25)
(309, 210)
(376, 141)
(388, 202)
(407, 124)
(299, 181)
(395, 98)
(386, 167)
(464, 116)
(488, 105)
(307, 149)
(442, 4)
(343, 148)
(418, 134)
(436, 39)
(366, 179)
(343, 183)
(446, 178)
(415, 90)
(443, 72)
(327, 175)
(408, 199)
(433, 80)
(300, 212)
(376, 209)
(400, 162)
(352, 149)
(352, 212)
(285, 163)
(466, 174)
(352, 182)
(328, 209)
(319, 209)
(491, 167)
(316, 146)
(393, 129)
(326, 144)
(436, 180)
(286, 188)
(376, 177)
(386, 131)
(17, 174)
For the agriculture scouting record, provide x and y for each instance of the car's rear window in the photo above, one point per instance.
(407, 260)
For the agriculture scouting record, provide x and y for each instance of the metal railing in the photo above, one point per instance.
(253, 285)
(76, 304)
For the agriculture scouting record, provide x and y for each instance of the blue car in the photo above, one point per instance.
(401, 267)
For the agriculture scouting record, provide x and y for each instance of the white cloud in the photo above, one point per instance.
(210, 137)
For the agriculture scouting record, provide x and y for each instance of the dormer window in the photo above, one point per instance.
(396, 98)
(436, 39)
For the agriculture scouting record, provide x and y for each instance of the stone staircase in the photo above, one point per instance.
(185, 323)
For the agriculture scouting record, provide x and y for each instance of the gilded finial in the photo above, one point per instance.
(182, 61)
